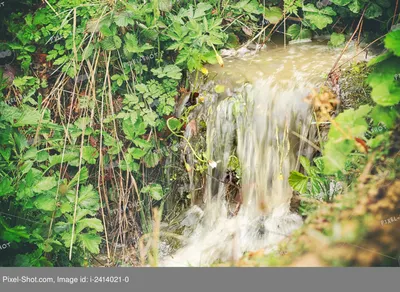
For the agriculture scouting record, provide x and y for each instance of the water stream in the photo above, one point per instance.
(258, 119)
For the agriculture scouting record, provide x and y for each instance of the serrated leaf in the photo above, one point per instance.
(373, 11)
(318, 17)
(92, 223)
(6, 187)
(90, 154)
(45, 184)
(90, 242)
(88, 198)
(151, 159)
(45, 203)
(136, 153)
(154, 190)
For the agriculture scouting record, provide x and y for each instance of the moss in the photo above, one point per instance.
(353, 89)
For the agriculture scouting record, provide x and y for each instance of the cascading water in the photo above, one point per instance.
(262, 119)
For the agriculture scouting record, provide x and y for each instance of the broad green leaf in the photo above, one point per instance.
(392, 42)
(88, 198)
(6, 187)
(201, 9)
(45, 203)
(356, 5)
(154, 190)
(337, 39)
(385, 87)
(90, 242)
(45, 184)
(295, 32)
(373, 11)
(123, 19)
(136, 153)
(380, 58)
(273, 14)
(171, 71)
(384, 115)
(151, 159)
(174, 124)
(111, 43)
(350, 122)
(30, 116)
(90, 154)
(92, 223)
(336, 154)
(298, 182)
(318, 17)
(68, 157)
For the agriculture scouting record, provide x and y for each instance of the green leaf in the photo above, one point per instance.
(318, 17)
(111, 43)
(30, 116)
(373, 11)
(45, 203)
(137, 153)
(15, 234)
(356, 5)
(45, 184)
(273, 14)
(151, 159)
(6, 187)
(170, 71)
(57, 159)
(88, 198)
(90, 154)
(336, 154)
(350, 121)
(298, 181)
(90, 242)
(392, 42)
(384, 115)
(380, 58)
(154, 190)
(92, 223)
(201, 10)
(123, 19)
(174, 124)
(306, 164)
(295, 32)
(337, 39)
(385, 88)
(165, 5)
(83, 175)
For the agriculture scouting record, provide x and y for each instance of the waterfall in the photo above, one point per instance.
(261, 120)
